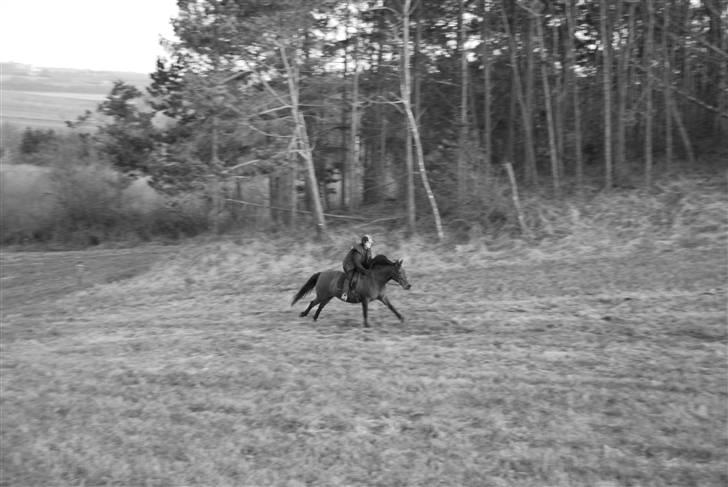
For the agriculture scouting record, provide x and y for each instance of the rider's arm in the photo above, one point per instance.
(357, 262)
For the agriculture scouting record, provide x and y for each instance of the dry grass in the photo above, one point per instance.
(602, 365)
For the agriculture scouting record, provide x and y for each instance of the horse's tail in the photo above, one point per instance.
(306, 288)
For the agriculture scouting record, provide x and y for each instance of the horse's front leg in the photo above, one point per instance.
(365, 311)
(385, 300)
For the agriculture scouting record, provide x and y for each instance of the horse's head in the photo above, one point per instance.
(400, 276)
(394, 270)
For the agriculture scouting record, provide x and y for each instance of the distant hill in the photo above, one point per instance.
(38, 97)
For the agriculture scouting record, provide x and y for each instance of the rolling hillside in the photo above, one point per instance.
(46, 97)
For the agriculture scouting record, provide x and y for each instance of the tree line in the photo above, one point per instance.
(423, 100)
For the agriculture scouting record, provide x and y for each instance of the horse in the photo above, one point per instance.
(370, 287)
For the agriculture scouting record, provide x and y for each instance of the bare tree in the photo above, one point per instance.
(560, 93)
(355, 185)
(607, 90)
(648, 54)
(623, 65)
(406, 90)
(553, 151)
(522, 103)
(571, 61)
(667, 82)
(487, 95)
(529, 95)
(289, 58)
(346, 168)
(463, 122)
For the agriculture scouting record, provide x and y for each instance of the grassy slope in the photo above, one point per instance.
(36, 110)
(564, 365)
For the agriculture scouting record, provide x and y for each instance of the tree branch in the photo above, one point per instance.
(687, 96)
(258, 205)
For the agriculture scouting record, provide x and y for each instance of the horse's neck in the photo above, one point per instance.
(384, 272)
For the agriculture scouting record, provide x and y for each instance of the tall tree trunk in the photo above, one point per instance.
(687, 81)
(525, 114)
(415, 97)
(723, 102)
(687, 145)
(553, 151)
(667, 83)
(409, 157)
(406, 88)
(716, 67)
(355, 186)
(487, 119)
(411, 204)
(378, 190)
(560, 95)
(417, 69)
(513, 106)
(301, 137)
(607, 90)
(462, 191)
(649, 51)
(354, 145)
(530, 93)
(623, 64)
(571, 59)
(346, 169)
(380, 163)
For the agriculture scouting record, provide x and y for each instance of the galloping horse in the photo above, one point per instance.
(328, 285)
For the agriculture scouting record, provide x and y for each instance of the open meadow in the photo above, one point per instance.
(45, 98)
(562, 364)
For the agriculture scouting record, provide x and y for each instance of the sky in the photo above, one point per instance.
(102, 35)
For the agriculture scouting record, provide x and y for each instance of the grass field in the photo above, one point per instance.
(173, 366)
(42, 109)
(47, 97)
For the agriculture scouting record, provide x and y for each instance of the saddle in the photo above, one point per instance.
(344, 286)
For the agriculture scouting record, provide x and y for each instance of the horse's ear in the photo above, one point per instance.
(399, 262)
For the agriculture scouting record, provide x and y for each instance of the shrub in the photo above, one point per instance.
(86, 204)
(27, 204)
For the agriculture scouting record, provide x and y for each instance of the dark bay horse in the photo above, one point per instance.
(328, 285)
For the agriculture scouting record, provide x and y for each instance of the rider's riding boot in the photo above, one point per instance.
(344, 287)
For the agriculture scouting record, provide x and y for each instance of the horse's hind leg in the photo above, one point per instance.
(321, 306)
(313, 303)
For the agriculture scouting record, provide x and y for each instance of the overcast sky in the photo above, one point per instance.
(117, 35)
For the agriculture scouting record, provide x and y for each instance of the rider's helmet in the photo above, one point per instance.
(367, 241)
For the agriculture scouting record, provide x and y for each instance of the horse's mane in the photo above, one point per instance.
(381, 260)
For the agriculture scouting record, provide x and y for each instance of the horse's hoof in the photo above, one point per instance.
(302, 314)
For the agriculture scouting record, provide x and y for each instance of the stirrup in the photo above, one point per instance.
(344, 296)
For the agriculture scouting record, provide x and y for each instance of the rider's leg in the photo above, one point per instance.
(352, 284)
(345, 285)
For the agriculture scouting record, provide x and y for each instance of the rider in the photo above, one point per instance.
(358, 259)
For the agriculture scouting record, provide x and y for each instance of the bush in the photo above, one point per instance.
(85, 204)
(27, 204)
